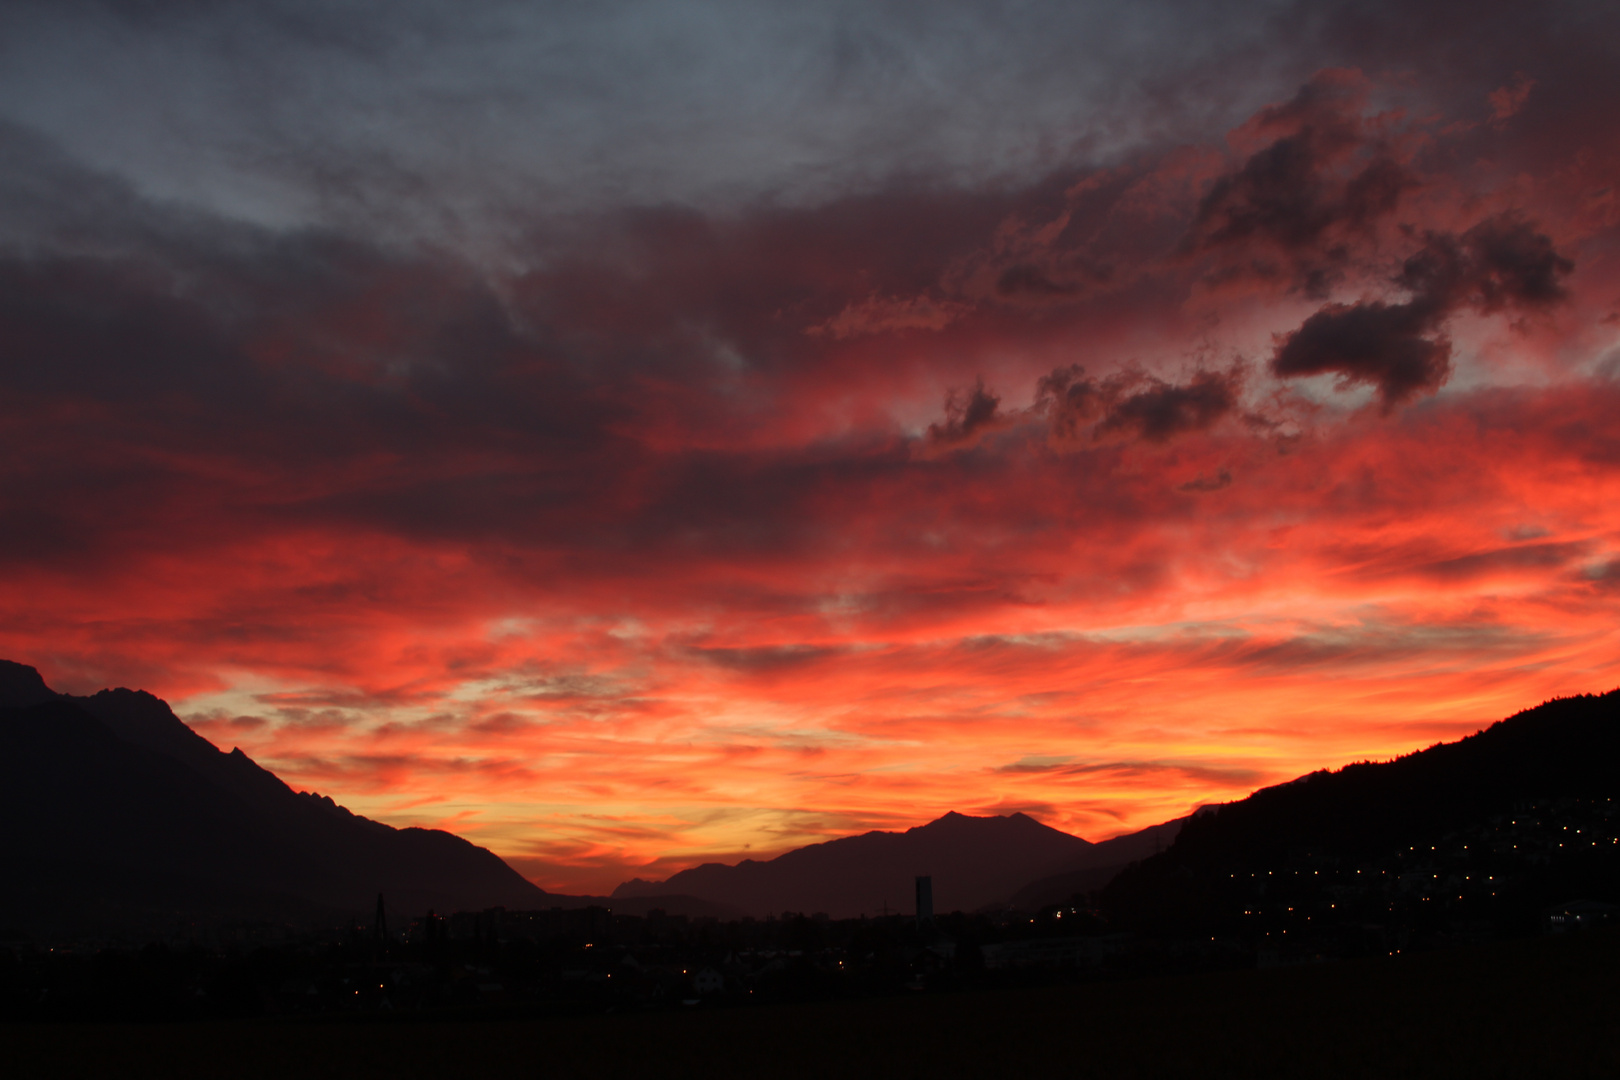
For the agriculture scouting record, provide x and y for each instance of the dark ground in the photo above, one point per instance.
(1540, 1007)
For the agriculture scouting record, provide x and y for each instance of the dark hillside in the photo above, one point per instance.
(1547, 770)
(119, 818)
(1096, 868)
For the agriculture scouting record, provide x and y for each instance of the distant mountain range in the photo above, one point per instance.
(974, 862)
(119, 816)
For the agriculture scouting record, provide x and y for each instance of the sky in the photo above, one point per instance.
(631, 435)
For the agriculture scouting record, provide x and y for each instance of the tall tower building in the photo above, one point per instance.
(925, 901)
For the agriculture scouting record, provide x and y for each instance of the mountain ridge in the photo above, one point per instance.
(974, 862)
(121, 814)
(1458, 800)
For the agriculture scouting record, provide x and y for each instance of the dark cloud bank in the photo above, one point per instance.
(629, 382)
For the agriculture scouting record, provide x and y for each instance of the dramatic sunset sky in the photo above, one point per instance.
(636, 434)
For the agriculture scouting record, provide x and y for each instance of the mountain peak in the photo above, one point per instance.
(952, 822)
(973, 861)
(21, 686)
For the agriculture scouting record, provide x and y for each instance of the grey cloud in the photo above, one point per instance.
(1605, 575)
(1127, 403)
(1390, 346)
(453, 120)
(1400, 348)
(1520, 557)
(1293, 207)
(1030, 280)
(967, 416)
(767, 659)
(427, 116)
(1221, 479)
(1502, 262)
(1160, 410)
(1132, 403)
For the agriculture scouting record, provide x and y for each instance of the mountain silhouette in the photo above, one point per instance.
(974, 862)
(1544, 761)
(120, 817)
(1096, 867)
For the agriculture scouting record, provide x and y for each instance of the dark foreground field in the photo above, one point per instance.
(1544, 1007)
